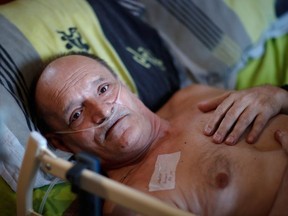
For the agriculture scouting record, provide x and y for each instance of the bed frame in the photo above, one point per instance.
(37, 154)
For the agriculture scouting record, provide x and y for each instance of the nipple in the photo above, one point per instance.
(222, 180)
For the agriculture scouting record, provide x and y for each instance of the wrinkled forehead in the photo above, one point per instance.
(74, 65)
(66, 74)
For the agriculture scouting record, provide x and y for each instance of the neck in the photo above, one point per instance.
(160, 130)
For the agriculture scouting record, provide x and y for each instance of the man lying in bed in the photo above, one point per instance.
(166, 154)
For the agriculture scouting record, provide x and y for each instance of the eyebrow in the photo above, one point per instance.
(73, 103)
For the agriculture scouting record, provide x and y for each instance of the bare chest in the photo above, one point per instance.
(192, 173)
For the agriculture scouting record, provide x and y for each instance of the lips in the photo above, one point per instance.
(113, 125)
(119, 115)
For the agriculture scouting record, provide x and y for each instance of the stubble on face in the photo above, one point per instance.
(128, 132)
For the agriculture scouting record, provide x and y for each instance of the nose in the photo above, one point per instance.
(101, 112)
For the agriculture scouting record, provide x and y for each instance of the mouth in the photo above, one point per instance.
(113, 125)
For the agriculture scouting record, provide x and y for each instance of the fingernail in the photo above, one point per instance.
(207, 130)
(279, 134)
(250, 139)
(230, 141)
(217, 138)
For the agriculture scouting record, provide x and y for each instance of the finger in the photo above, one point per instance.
(217, 117)
(231, 118)
(279, 136)
(257, 128)
(282, 137)
(212, 104)
(243, 122)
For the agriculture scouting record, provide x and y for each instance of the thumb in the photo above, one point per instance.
(211, 104)
(282, 138)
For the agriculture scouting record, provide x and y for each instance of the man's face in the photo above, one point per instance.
(91, 111)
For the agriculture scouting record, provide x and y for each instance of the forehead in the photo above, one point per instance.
(74, 65)
(66, 77)
(72, 71)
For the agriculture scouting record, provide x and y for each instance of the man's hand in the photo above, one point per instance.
(282, 138)
(237, 110)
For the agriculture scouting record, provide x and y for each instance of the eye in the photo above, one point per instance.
(103, 89)
(76, 115)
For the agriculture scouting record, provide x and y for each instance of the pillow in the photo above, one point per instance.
(270, 68)
(58, 200)
(10, 168)
(34, 31)
(56, 27)
(211, 37)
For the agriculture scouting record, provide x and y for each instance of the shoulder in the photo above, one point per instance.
(188, 98)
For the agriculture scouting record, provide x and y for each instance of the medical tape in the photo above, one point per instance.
(164, 175)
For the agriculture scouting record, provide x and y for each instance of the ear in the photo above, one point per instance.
(57, 142)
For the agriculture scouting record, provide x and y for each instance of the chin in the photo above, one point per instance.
(122, 137)
(128, 148)
(131, 138)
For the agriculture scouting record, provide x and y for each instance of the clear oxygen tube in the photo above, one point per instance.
(114, 110)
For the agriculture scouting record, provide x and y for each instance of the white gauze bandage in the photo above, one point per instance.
(164, 174)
